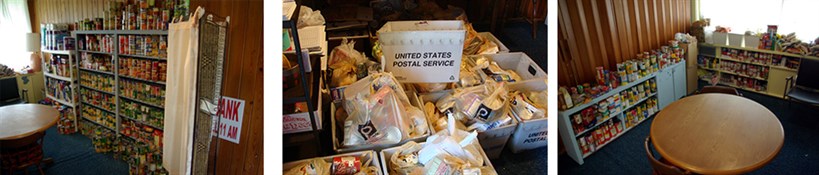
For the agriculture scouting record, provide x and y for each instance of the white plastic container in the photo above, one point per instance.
(493, 140)
(363, 155)
(501, 48)
(408, 45)
(530, 134)
(519, 62)
(735, 39)
(336, 131)
(751, 41)
(387, 153)
(719, 38)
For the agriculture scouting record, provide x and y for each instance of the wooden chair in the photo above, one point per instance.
(719, 89)
(19, 154)
(658, 166)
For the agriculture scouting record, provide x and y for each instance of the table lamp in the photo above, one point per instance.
(33, 46)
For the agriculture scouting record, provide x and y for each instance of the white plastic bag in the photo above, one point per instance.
(308, 17)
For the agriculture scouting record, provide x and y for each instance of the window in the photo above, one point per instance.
(14, 24)
(755, 15)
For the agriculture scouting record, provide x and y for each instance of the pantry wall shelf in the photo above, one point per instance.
(778, 66)
(142, 80)
(97, 71)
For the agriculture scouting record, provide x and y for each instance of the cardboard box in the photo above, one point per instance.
(386, 154)
(530, 134)
(422, 51)
(375, 160)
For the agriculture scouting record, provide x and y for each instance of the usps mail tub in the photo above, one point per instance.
(530, 134)
(386, 154)
(365, 156)
(422, 51)
(501, 48)
(519, 62)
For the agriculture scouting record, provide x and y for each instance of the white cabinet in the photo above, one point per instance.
(671, 84)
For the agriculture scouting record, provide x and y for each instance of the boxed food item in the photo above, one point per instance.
(363, 162)
(529, 106)
(422, 51)
(443, 153)
(378, 115)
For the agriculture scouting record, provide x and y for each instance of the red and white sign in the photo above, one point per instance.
(294, 123)
(231, 112)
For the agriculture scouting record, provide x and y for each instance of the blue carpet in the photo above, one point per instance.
(74, 154)
(798, 155)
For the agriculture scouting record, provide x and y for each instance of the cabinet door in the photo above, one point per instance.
(680, 85)
(665, 87)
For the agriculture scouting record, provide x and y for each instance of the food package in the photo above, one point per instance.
(379, 112)
(525, 107)
(495, 72)
(474, 108)
(340, 165)
(475, 44)
(345, 64)
(469, 77)
(308, 17)
(451, 152)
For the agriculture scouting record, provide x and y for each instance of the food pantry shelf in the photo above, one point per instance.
(97, 71)
(61, 52)
(741, 75)
(61, 101)
(98, 90)
(139, 121)
(98, 107)
(97, 52)
(95, 122)
(739, 61)
(143, 56)
(619, 89)
(597, 148)
(140, 101)
(142, 80)
(619, 112)
(58, 77)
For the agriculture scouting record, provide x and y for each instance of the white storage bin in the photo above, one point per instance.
(339, 132)
(530, 134)
(519, 62)
(735, 39)
(719, 38)
(501, 48)
(372, 156)
(751, 41)
(493, 140)
(387, 153)
(421, 41)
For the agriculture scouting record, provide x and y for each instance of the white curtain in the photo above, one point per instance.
(14, 24)
(183, 45)
(798, 16)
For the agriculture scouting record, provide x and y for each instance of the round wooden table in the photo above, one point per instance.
(717, 134)
(18, 121)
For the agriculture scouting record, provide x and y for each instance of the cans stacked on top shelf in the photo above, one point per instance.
(144, 45)
(131, 15)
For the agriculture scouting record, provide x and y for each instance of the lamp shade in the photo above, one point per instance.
(32, 42)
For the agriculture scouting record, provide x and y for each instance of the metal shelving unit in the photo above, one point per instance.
(116, 76)
(306, 92)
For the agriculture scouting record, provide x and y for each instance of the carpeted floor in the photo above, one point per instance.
(74, 154)
(798, 155)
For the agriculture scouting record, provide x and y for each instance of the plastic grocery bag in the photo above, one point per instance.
(347, 65)
(308, 17)
(379, 112)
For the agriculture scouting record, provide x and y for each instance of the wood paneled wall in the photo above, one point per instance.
(63, 11)
(596, 33)
(243, 79)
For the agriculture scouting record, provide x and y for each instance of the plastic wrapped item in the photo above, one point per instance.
(347, 65)
(338, 165)
(475, 44)
(451, 152)
(308, 17)
(379, 112)
(480, 108)
(525, 108)
(495, 72)
(312, 167)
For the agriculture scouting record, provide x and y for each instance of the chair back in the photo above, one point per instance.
(658, 166)
(808, 74)
(720, 89)
(21, 142)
